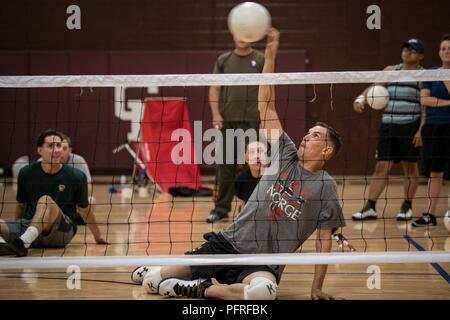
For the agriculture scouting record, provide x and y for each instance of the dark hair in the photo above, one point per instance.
(445, 37)
(66, 137)
(49, 132)
(332, 136)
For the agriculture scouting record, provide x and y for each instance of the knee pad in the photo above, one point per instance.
(260, 288)
(152, 280)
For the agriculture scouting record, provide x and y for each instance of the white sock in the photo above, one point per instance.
(29, 236)
(2, 240)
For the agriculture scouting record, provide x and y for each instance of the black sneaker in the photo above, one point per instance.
(425, 220)
(17, 246)
(177, 288)
(5, 250)
(215, 216)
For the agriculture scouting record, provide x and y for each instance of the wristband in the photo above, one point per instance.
(361, 99)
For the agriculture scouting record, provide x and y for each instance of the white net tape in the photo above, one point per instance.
(223, 79)
(230, 259)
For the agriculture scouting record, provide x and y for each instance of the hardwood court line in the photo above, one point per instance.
(436, 266)
(65, 279)
(365, 273)
(39, 273)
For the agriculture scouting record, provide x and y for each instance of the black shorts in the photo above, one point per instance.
(395, 142)
(436, 148)
(217, 244)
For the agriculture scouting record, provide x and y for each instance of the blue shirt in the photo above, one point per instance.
(437, 115)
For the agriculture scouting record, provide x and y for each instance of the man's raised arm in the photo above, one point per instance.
(266, 96)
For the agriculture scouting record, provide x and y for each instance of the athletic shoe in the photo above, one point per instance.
(5, 250)
(177, 288)
(369, 214)
(138, 274)
(425, 220)
(404, 216)
(215, 216)
(150, 284)
(17, 246)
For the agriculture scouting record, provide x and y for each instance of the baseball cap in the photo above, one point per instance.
(416, 44)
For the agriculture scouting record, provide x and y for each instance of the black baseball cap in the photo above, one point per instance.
(416, 44)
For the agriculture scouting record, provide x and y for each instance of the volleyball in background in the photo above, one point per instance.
(447, 215)
(377, 97)
(447, 219)
(249, 21)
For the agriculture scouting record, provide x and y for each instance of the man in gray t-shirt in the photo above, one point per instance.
(294, 198)
(286, 207)
(76, 161)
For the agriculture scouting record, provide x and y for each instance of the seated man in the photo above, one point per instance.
(246, 182)
(78, 162)
(294, 198)
(48, 197)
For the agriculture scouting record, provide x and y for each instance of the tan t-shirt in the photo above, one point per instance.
(239, 103)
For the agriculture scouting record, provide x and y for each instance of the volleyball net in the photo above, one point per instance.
(152, 150)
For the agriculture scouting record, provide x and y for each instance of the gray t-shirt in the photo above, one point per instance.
(286, 207)
(76, 161)
(79, 163)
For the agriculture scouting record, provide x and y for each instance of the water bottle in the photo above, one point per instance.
(123, 181)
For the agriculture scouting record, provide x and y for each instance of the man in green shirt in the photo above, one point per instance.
(233, 108)
(48, 197)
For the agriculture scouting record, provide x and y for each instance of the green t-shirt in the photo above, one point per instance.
(67, 187)
(239, 103)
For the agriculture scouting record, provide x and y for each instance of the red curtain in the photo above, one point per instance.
(157, 150)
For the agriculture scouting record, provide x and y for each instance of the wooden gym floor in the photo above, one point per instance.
(163, 225)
